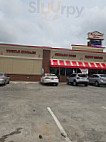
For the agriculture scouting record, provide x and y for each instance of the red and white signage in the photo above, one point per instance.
(84, 71)
(95, 35)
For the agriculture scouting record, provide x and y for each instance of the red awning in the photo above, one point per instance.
(68, 64)
(74, 64)
(103, 65)
(81, 64)
(98, 65)
(54, 63)
(62, 63)
(93, 66)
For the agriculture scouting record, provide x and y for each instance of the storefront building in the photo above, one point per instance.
(25, 63)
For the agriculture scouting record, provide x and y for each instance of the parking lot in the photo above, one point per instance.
(24, 114)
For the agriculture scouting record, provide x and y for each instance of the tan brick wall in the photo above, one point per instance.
(20, 66)
(20, 60)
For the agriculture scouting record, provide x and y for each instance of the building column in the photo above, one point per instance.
(46, 61)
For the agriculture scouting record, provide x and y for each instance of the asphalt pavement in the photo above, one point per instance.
(80, 111)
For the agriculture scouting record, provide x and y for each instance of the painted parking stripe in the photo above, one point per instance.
(23, 82)
(63, 133)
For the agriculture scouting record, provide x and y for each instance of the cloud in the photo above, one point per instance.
(19, 25)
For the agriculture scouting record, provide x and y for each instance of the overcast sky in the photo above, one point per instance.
(56, 23)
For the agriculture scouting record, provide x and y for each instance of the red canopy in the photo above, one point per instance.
(74, 64)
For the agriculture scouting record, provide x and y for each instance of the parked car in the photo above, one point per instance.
(78, 78)
(97, 79)
(4, 79)
(49, 79)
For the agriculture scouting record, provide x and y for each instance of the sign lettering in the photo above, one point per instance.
(21, 51)
(94, 57)
(65, 55)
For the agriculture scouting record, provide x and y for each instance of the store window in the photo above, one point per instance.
(54, 71)
(78, 70)
(92, 71)
(96, 71)
(104, 71)
(69, 71)
(101, 71)
(62, 71)
(57, 71)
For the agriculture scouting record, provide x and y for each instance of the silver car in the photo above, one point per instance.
(78, 78)
(97, 79)
(4, 79)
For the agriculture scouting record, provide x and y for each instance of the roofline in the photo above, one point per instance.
(51, 48)
(78, 50)
(26, 45)
(87, 46)
(89, 51)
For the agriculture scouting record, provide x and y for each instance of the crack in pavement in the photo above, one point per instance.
(17, 131)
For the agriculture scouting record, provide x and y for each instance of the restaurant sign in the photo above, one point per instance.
(21, 51)
(95, 35)
(65, 55)
(93, 57)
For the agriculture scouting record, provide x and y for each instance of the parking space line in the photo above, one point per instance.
(63, 133)
(23, 82)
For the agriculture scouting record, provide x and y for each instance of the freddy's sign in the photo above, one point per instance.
(95, 35)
